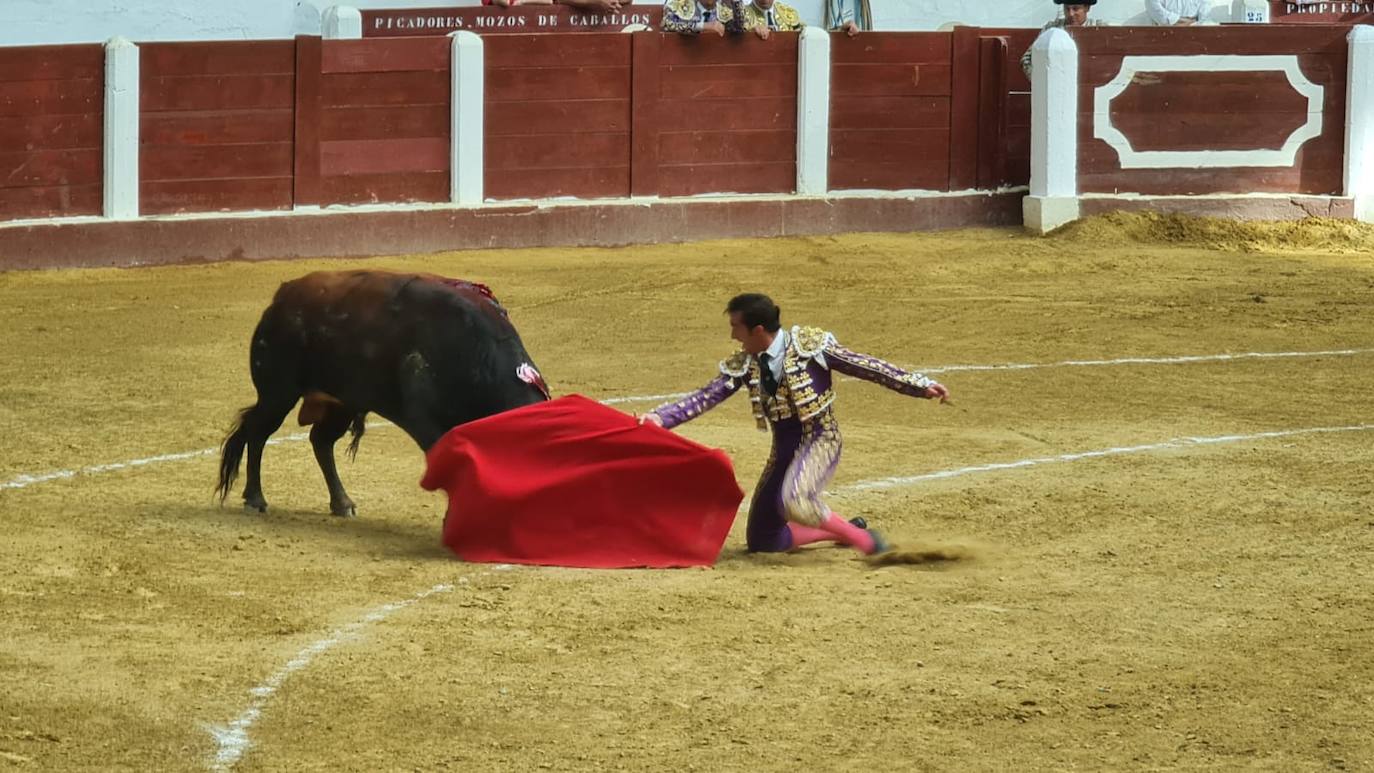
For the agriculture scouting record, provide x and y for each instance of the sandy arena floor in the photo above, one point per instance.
(1171, 605)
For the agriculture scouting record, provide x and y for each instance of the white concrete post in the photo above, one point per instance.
(1359, 123)
(1053, 199)
(341, 22)
(121, 129)
(468, 126)
(813, 111)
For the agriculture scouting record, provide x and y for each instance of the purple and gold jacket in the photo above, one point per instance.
(806, 388)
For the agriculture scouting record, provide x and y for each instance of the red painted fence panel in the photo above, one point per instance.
(891, 102)
(373, 120)
(1252, 109)
(216, 126)
(1013, 124)
(726, 114)
(51, 130)
(557, 116)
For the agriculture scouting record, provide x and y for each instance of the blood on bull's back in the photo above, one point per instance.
(426, 352)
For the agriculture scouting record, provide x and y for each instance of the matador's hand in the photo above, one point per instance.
(650, 418)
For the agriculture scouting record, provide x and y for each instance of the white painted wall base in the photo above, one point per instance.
(1042, 214)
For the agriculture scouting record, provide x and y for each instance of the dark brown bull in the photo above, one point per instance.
(425, 352)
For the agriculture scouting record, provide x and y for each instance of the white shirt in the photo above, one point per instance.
(1166, 13)
(778, 349)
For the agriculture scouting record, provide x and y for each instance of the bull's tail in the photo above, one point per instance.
(231, 453)
(358, 426)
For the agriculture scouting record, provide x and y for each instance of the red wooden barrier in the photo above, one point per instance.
(557, 116)
(372, 120)
(727, 115)
(992, 112)
(215, 125)
(1198, 111)
(1013, 122)
(51, 130)
(891, 107)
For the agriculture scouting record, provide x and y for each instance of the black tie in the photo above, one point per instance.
(770, 383)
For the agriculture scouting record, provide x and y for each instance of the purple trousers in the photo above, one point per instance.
(800, 465)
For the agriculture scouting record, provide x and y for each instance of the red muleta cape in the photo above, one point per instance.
(571, 482)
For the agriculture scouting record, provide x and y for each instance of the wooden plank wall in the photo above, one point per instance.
(1013, 166)
(726, 114)
(216, 126)
(557, 115)
(51, 130)
(890, 111)
(372, 120)
(1186, 111)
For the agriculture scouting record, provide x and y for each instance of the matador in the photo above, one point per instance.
(789, 378)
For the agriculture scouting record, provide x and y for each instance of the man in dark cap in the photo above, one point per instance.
(1075, 15)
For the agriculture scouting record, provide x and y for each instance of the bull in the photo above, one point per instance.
(425, 352)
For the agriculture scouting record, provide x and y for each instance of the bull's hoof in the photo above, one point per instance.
(343, 509)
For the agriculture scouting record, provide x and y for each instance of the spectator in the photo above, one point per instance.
(848, 15)
(693, 17)
(765, 17)
(1178, 13)
(1075, 15)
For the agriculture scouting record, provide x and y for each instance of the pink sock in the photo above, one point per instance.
(848, 533)
(833, 529)
(806, 535)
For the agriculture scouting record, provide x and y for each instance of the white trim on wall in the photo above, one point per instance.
(813, 111)
(1105, 130)
(1359, 123)
(1053, 199)
(466, 152)
(121, 129)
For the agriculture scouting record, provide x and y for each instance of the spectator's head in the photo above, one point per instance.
(1075, 13)
(753, 320)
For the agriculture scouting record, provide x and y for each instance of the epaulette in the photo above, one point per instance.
(810, 341)
(736, 365)
(786, 15)
(684, 9)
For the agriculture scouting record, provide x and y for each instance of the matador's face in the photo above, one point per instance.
(754, 339)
